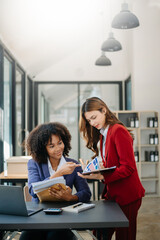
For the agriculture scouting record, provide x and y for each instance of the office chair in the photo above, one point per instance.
(27, 196)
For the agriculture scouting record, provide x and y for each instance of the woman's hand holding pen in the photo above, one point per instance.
(66, 168)
(83, 164)
(63, 194)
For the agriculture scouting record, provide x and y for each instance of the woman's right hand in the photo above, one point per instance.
(66, 169)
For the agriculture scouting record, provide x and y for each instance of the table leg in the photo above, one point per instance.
(104, 234)
(94, 192)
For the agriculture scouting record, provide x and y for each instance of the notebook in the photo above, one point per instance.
(12, 202)
(78, 207)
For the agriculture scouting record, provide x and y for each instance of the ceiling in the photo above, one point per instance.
(42, 33)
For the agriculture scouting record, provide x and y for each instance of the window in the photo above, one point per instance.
(29, 99)
(7, 113)
(12, 107)
(19, 113)
(128, 94)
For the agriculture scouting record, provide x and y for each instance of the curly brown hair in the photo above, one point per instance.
(39, 137)
(89, 133)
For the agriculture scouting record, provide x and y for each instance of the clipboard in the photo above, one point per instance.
(111, 169)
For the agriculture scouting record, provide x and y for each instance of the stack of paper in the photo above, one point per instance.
(78, 207)
(42, 185)
(42, 188)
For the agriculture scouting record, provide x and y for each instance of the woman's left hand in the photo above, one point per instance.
(63, 194)
(97, 176)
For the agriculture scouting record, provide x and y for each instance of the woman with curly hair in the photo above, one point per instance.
(49, 145)
(98, 123)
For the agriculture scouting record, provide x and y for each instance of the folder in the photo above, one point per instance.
(44, 195)
(41, 188)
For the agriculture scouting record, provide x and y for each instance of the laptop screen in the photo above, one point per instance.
(12, 201)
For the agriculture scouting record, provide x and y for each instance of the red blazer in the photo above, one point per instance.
(123, 185)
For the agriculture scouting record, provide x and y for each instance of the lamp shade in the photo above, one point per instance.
(125, 19)
(111, 44)
(103, 60)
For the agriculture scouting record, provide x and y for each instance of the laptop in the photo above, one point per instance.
(12, 202)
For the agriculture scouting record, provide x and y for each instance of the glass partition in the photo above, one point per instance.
(62, 105)
(109, 93)
(64, 101)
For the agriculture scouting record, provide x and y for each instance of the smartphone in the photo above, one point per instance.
(52, 210)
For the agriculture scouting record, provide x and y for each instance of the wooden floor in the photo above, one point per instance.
(148, 227)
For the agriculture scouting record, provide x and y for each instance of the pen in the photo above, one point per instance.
(77, 205)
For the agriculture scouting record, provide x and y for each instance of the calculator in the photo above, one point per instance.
(52, 210)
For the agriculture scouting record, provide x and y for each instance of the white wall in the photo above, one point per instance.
(146, 57)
